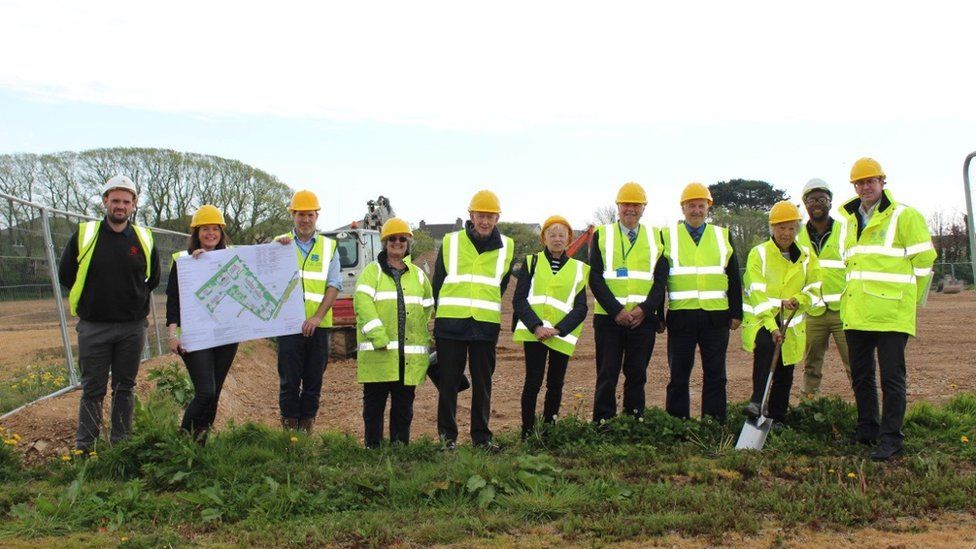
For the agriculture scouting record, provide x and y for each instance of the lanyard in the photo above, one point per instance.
(623, 251)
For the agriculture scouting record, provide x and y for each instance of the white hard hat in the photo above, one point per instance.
(817, 184)
(119, 182)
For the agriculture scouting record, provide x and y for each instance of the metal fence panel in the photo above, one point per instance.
(38, 342)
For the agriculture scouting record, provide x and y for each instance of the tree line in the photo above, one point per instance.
(172, 185)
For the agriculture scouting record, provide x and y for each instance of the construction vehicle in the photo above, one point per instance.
(357, 245)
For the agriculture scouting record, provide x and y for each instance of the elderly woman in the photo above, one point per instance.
(549, 305)
(780, 275)
(207, 367)
(394, 302)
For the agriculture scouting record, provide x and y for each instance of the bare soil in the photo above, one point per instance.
(939, 359)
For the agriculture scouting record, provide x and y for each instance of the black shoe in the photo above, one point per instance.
(778, 425)
(752, 410)
(489, 447)
(856, 439)
(885, 451)
(449, 446)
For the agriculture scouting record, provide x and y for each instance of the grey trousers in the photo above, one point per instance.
(107, 348)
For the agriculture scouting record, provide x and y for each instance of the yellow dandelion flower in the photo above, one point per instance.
(16, 436)
(831, 471)
(952, 385)
(964, 439)
(66, 457)
(578, 395)
(123, 539)
(294, 439)
(77, 452)
(851, 475)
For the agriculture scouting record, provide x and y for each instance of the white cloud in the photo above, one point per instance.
(500, 65)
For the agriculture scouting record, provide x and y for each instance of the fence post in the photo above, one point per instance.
(969, 214)
(56, 290)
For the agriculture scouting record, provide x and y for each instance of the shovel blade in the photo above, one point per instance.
(753, 435)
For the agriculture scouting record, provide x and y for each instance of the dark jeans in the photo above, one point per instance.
(301, 364)
(535, 369)
(208, 369)
(708, 331)
(779, 391)
(619, 348)
(401, 411)
(107, 348)
(890, 347)
(451, 357)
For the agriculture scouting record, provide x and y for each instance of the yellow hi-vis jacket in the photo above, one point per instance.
(473, 285)
(771, 279)
(889, 268)
(627, 269)
(377, 328)
(551, 296)
(697, 279)
(831, 258)
(87, 238)
(314, 270)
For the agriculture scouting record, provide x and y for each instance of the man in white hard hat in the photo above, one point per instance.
(111, 268)
(825, 237)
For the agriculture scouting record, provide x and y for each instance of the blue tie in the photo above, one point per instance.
(632, 235)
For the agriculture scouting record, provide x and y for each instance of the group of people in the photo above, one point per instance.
(857, 278)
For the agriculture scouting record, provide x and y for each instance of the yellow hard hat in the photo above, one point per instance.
(207, 215)
(304, 201)
(553, 220)
(865, 168)
(696, 191)
(395, 225)
(631, 193)
(783, 211)
(485, 201)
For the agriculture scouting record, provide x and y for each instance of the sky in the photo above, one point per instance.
(551, 105)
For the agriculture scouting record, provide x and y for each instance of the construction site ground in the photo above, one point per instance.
(940, 361)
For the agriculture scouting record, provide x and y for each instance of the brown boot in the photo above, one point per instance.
(306, 424)
(289, 423)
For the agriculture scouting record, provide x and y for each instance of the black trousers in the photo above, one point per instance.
(619, 348)
(208, 369)
(535, 370)
(451, 357)
(401, 411)
(301, 365)
(708, 331)
(890, 348)
(779, 391)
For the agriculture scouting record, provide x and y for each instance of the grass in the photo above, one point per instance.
(628, 480)
(34, 382)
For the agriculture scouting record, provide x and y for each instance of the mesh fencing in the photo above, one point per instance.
(38, 342)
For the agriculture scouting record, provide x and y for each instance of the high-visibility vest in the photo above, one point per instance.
(697, 279)
(314, 270)
(377, 329)
(87, 238)
(771, 279)
(831, 258)
(551, 296)
(889, 268)
(630, 279)
(472, 287)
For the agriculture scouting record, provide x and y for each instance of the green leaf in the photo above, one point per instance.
(475, 483)
(486, 496)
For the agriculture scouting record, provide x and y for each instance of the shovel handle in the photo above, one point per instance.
(777, 349)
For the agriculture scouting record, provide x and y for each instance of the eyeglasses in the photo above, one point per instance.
(823, 200)
(397, 238)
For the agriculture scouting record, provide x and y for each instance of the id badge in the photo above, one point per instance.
(622, 271)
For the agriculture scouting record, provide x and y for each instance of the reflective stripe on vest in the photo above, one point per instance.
(551, 296)
(632, 288)
(314, 270)
(831, 259)
(697, 279)
(472, 285)
(87, 238)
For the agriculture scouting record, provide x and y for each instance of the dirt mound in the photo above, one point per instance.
(250, 393)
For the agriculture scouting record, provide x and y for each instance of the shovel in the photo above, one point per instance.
(755, 431)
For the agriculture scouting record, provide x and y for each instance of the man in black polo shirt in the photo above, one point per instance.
(111, 268)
